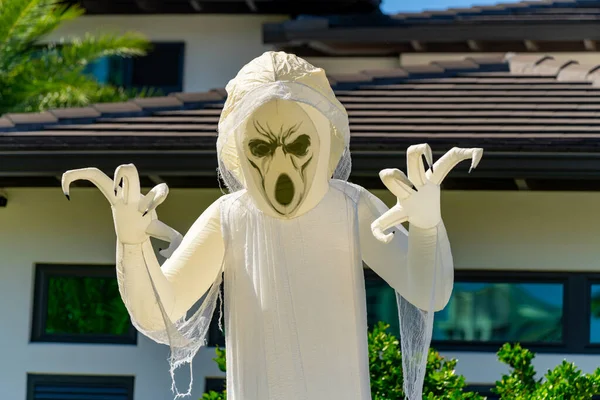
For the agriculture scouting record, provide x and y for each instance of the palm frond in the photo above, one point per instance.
(35, 76)
(76, 91)
(82, 51)
(24, 22)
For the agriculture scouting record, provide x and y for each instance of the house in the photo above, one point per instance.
(522, 227)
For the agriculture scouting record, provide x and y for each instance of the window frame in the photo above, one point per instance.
(128, 382)
(576, 306)
(576, 309)
(590, 281)
(482, 276)
(216, 380)
(40, 299)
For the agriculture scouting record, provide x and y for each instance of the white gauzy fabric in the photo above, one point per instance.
(294, 292)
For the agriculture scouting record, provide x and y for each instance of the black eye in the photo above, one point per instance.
(260, 148)
(299, 147)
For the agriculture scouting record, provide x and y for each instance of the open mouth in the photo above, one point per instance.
(284, 190)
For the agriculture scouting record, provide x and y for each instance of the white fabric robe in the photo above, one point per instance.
(295, 310)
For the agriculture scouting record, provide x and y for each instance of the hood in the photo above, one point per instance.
(282, 134)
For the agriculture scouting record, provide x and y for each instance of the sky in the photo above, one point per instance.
(395, 6)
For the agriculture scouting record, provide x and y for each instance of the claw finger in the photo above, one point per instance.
(414, 162)
(449, 160)
(164, 232)
(94, 175)
(393, 217)
(396, 182)
(154, 198)
(128, 176)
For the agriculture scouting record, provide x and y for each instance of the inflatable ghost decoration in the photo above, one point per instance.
(288, 243)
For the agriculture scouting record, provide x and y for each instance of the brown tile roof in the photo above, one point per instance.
(537, 26)
(521, 103)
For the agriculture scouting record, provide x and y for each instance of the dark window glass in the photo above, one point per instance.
(595, 314)
(502, 312)
(80, 387)
(214, 385)
(216, 336)
(483, 390)
(381, 303)
(80, 303)
(482, 312)
(161, 68)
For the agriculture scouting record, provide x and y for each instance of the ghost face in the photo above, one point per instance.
(281, 149)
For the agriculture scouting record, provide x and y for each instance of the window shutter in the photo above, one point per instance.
(80, 391)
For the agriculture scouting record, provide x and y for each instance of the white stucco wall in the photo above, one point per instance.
(216, 46)
(488, 230)
(42, 226)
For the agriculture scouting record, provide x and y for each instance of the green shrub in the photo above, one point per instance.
(565, 382)
(385, 364)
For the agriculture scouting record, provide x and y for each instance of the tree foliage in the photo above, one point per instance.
(36, 76)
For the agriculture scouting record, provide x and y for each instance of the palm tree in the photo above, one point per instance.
(36, 76)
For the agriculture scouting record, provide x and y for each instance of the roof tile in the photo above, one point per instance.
(528, 107)
(423, 69)
(158, 102)
(486, 60)
(525, 63)
(118, 108)
(573, 72)
(386, 73)
(6, 123)
(199, 97)
(75, 113)
(456, 64)
(344, 78)
(551, 67)
(32, 118)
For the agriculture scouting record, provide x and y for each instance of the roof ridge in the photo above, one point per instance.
(547, 65)
(432, 69)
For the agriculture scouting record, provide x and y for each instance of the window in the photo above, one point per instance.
(214, 385)
(216, 337)
(381, 302)
(79, 304)
(595, 313)
(80, 387)
(546, 312)
(484, 390)
(161, 69)
(500, 312)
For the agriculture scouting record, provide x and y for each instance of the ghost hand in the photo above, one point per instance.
(420, 207)
(133, 213)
